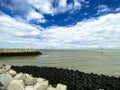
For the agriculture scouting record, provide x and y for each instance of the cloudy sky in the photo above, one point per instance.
(60, 24)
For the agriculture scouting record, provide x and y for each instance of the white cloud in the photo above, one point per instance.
(76, 3)
(22, 8)
(103, 8)
(34, 15)
(100, 33)
(27, 8)
(46, 7)
(62, 3)
(93, 33)
(16, 5)
(14, 33)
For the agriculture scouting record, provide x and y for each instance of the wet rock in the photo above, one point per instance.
(61, 87)
(16, 85)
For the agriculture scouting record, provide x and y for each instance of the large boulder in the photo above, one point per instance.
(41, 85)
(29, 88)
(2, 70)
(61, 87)
(29, 80)
(40, 79)
(51, 88)
(5, 79)
(16, 85)
(20, 76)
(12, 72)
(6, 67)
(1, 86)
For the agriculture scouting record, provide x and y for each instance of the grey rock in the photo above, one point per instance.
(5, 79)
(61, 87)
(51, 88)
(20, 76)
(12, 72)
(1, 86)
(41, 85)
(29, 80)
(16, 85)
(29, 88)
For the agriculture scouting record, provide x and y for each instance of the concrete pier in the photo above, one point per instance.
(19, 52)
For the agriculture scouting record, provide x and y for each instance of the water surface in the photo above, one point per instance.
(96, 61)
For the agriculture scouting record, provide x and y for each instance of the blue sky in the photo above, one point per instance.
(60, 24)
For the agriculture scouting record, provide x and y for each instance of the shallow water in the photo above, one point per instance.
(96, 61)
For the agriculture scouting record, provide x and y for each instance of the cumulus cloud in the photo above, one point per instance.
(53, 6)
(101, 33)
(16, 6)
(103, 9)
(34, 9)
(34, 15)
(14, 33)
(21, 10)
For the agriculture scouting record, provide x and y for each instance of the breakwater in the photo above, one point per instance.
(10, 80)
(19, 52)
(75, 80)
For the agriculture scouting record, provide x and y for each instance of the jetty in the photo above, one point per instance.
(19, 51)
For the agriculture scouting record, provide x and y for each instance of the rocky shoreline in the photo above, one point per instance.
(11, 80)
(53, 78)
(75, 80)
(19, 52)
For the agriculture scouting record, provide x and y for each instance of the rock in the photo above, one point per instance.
(40, 79)
(51, 88)
(2, 70)
(1, 86)
(16, 85)
(6, 67)
(5, 79)
(20, 76)
(30, 80)
(61, 87)
(29, 88)
(0, 66)
(41, 85)
(12, 72)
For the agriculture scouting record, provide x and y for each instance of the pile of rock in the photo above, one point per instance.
(10, 80)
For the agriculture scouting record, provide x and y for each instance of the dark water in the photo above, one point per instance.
(96, 61)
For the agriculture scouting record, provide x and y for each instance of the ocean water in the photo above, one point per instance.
(90, 61)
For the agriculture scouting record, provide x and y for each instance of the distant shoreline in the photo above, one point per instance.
(19, 51)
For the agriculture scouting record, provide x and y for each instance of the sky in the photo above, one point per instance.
(60, 24)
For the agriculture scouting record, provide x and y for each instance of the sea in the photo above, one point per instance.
(90, 61)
